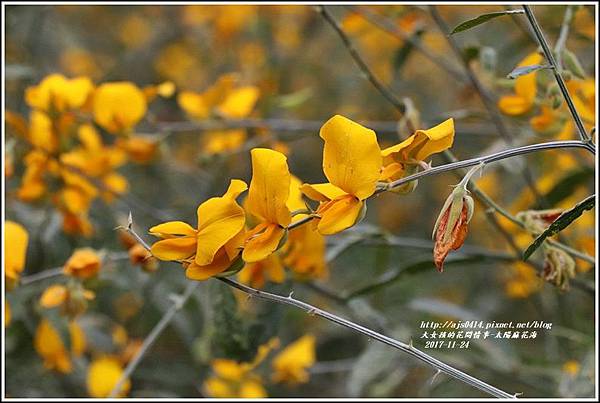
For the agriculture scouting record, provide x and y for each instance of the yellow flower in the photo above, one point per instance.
(214, 245)
(118, 106)
(103, 375)
(267, 201)
(352, 164)
(15, 241)
(41, 133)
(56, 93)
(235, 379)
(525, 89)
(96, 160)
(72, 298)
(50, 347)
(402, 159)
(83, 263)
(222, 98)
(255, 274)
(291, 364)
(219, 141)
(571, 367)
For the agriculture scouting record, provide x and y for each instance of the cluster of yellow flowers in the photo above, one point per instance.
(353, 163)
(68, 160)
(233, 379)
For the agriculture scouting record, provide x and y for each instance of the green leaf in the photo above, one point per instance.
(561, 223)
(524, 70)
(471, 53)
(481, 19)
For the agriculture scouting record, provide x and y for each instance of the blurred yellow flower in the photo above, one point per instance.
(291, 364)
(103, 375)
(118, 106)
(571, 367)
(402, 159)
(267, 202)
(50, 347)
(16, 239)
(222, 98)
(7, 313)
(525, 89)
(57, 94)
(165, 90)
(214, 245)
(84, 263)
(352, 164)
(235, 379)
(523, 281)
(219, 141)
(72, 299)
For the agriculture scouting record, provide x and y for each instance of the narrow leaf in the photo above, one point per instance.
(481, 19)
(524, 70)
(561, 223)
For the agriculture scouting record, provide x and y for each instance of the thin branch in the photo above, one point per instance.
(562, 37)
(557, 75)
(392, 99)
(153, 335)
(406, 348)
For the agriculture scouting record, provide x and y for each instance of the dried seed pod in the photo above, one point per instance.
(559, 267)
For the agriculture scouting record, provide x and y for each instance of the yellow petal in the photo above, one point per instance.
(193, 104)
(434, 140)
(322, 191)
(228, 369)
(103, 375)
(219, 264)
(514, 105)
(260, 245)
(118, 106)
(339, 215)
(236, 188)
(220, 219)
(239, 103)
(53, 296)
(295, 201)
(171, 229)
(174, 248)
(270, 187)
(351, 156)
(15, 241)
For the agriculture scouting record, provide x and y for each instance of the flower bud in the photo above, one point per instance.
(451, 227)
(572, 63)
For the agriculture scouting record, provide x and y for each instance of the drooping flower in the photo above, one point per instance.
(103, 375)
(56, 93)
(267, 202)
(119, 106)
(50, 347)
(352, 164)
(404, 158)
(291, 364)
(140, 150)
(16, 239)
(525, 89)
(84, 263)
(214, 246)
